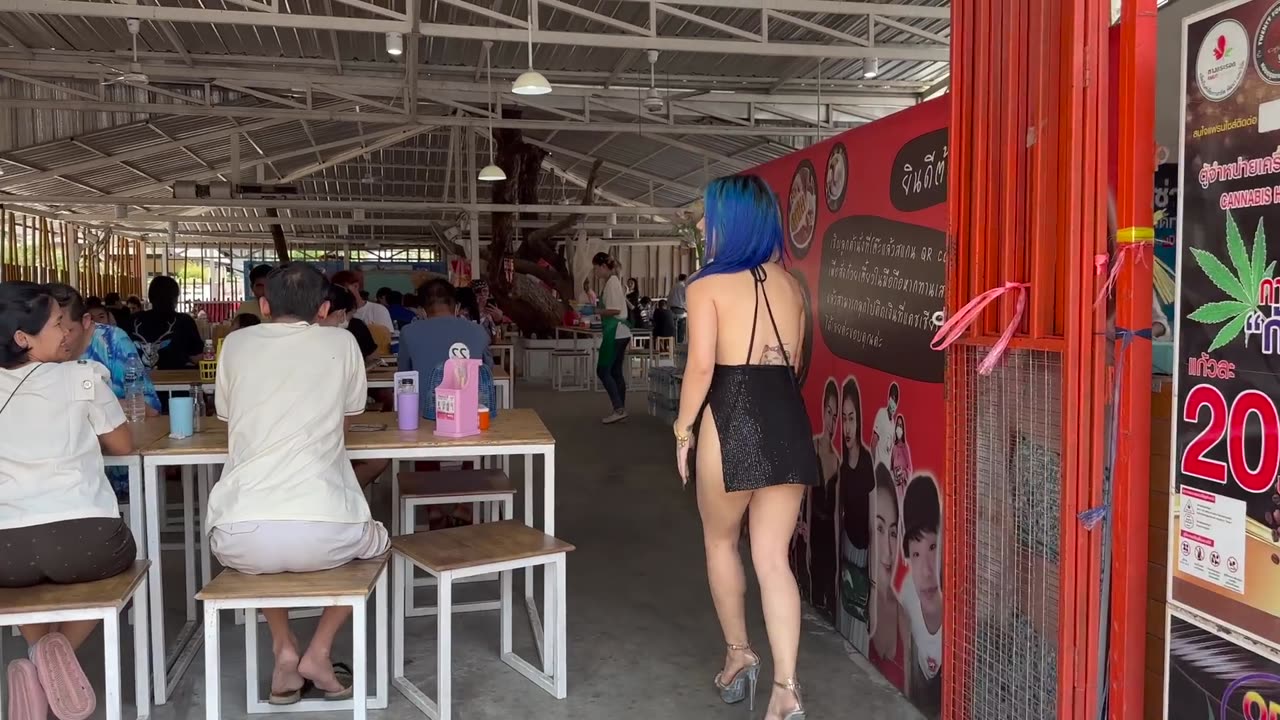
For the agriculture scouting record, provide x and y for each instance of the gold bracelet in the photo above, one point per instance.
(681, 439)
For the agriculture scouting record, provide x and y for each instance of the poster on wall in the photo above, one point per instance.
(865, 218)
(1225, 529)
(1211, 678)
(1163, 288)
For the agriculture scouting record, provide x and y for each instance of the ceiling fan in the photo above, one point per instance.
(134, 75)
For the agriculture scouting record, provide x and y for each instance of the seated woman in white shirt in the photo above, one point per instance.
(59, 522)
(288, 500)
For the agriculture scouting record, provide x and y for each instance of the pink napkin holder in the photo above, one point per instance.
(458, 399)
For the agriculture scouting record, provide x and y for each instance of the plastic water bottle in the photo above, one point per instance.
(135, 404)
(197, 408)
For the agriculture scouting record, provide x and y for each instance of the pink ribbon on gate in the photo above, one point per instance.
(954, 328)
(1100, 266)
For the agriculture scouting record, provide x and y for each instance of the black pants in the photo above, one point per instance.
(70, 551)
(614, 375)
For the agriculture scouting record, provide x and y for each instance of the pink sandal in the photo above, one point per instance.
(70, 695)
(26, 697)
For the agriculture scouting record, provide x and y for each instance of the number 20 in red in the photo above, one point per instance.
(1232, 421)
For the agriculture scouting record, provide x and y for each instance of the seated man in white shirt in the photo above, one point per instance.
(288, 500)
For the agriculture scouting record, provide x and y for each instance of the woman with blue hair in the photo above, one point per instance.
(741, 397)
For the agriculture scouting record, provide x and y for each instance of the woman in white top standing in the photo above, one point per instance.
(616, 336)
(59, 522)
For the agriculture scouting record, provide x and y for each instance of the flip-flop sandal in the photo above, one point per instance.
(70, 695)
(342, 673)
(288, 698)
(26, 696)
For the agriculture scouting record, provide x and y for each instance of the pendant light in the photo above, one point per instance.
(531, 82)
(395, 44)
(490, 172)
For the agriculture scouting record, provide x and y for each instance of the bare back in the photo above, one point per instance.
(743, 305)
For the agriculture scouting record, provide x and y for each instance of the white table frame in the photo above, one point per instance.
(169, 667)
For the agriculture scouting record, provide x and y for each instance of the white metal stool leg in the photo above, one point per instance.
(213, 664)
(444, 647)
(111, 653)
(141, 653)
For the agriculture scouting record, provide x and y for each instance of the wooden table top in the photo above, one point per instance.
(188, 376)
(209, 441)
(378, 374)
(511, 427)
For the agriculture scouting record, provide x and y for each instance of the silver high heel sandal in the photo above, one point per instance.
(743, 685)
(794, 687)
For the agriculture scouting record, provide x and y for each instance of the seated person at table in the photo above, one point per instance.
(426, 344)
(400, 315)
(166, 338)
(59, 521)
(99, 313)
(371, 313)
(258, 286)
(442, 334)
(288, 500)
(664, 321)
(341, 305)
(244, 320)
(108, 346)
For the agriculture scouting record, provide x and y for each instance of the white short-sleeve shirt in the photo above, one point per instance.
(50, 460)
(284, 389)
(615, 298)
(372, 313)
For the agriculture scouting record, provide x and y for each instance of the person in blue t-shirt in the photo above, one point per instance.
(400, 315)
(426, 344)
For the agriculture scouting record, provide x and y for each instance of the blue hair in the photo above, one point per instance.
(744, 226)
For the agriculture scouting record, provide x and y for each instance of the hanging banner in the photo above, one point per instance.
(1225, 562)
(865, 217)
(1211, 678)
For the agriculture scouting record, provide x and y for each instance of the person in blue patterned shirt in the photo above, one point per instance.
(110, 346)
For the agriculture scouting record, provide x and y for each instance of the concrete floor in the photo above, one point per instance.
(643, 638)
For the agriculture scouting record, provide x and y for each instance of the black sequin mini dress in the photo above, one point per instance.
(760, 415)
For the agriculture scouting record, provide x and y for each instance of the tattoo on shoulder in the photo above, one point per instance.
(776, 354)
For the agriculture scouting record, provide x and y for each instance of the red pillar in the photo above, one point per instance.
(1130, 479)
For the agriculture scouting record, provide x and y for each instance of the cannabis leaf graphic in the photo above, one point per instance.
(1241, 286)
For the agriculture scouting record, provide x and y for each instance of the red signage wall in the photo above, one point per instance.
(865, 215)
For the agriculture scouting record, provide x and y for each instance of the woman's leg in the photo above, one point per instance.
(619, 372)
(605, 373)
(284, 677)
(721, 531)
(772, 521)
(316, 665)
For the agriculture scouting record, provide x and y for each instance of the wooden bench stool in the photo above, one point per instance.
(576, 365)
(457, 553)
(102, 600)
(350, 585)
(492, 495)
